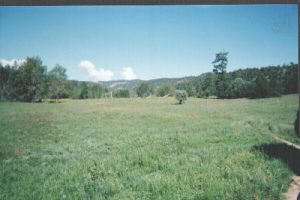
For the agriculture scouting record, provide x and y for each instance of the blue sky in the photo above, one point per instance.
(146, 42)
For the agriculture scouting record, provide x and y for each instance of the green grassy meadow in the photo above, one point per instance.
(148, 148)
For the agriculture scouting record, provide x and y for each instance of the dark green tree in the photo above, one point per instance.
(4, 77)
(13, 83)
(290, 78)
(220, 63)
(84, 91)
(275, 87)
(261, 88)
(57, 82)
(121, 93)
(143, 90)
(222, 80)
(31, 84)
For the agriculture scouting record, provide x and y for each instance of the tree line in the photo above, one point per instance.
(32, 82)
(262, 82)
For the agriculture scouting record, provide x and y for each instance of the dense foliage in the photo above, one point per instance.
(250, 83)
(84, 90)
(164, 91)
(57, 82)
(32, 82)
(121, 93)
(27, 82)
(143, 90)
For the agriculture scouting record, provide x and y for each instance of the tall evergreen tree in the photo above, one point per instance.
(222, 80)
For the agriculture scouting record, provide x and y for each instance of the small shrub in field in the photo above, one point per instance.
(181, 96)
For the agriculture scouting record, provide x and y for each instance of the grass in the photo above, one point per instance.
(144, 149)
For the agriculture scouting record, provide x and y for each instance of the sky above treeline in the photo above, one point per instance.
(145, 42)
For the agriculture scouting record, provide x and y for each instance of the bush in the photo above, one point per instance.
(181, 96)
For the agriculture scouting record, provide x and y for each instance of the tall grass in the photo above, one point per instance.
(144, 149)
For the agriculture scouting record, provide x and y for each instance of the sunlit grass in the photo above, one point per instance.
(144, 149)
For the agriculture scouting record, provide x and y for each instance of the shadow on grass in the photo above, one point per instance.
(178, 103)
(284, 152)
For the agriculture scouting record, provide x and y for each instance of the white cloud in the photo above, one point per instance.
(94, 73)
(12, 62)
(128, 74)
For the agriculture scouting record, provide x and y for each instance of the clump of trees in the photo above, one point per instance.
(263, 82)
(26, 82)
(31, 82)
(181, 96)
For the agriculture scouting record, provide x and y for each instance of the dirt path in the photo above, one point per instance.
(294, 189)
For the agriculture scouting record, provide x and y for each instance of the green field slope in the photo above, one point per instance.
(146, 149)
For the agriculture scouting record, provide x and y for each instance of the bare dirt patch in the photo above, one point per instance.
(294, 189)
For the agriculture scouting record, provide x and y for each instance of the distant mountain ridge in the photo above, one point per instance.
(132, 84)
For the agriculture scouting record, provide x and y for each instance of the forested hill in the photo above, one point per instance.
(32, 82)
(250, 82)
